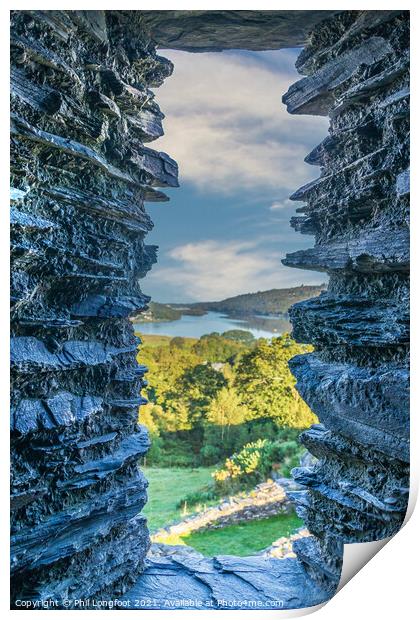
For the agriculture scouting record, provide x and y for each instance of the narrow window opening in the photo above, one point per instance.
(223, 413)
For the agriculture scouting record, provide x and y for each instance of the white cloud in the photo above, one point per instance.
(211, 270)
(279, 205)
(227, 128)
(276, 206)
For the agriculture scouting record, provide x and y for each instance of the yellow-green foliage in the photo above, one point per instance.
(201, 411)
(255, 461)
(226, 409)
(263, 381)
(245, 462)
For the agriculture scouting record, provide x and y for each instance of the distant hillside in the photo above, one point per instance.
(164, 312)
(277, 301)
(158, 312)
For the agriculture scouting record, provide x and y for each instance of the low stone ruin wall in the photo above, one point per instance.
(283, 547)
(266, 500)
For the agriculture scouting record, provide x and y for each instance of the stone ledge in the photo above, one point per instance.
(185, 579)
(214, 31)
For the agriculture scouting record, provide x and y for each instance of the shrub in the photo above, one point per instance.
(210, 454)
(256, 461)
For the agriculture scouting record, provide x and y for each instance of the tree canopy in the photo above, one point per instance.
(213, 395)
(263, 381)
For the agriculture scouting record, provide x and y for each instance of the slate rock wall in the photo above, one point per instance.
(82, 112)
(217, 30)
(82, 115)
(357, 72)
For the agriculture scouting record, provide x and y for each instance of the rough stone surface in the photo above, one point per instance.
(82, 114)
(179, 577)
(213, 31)
(356, 381)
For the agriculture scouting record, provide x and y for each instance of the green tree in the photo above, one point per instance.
(178, 342)
(149, 416)
(215, 348)
(239, 335)
(199, 386)
(225, 411)
(167, 366)
(175, 415)
(263, 381)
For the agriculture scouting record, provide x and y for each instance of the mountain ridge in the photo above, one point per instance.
(274, 302)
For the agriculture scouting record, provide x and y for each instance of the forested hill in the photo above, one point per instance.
(276, 301)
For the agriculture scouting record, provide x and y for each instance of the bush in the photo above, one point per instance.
(256, 461)
(242, 464)
(210, 454)
(154, 455)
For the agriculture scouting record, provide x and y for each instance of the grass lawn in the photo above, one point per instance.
(166, 487)
(242, 540)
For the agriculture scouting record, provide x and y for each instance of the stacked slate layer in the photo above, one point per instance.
(357, 72)
(217, 30)
(82, 112)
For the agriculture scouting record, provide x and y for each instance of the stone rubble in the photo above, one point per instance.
(283, 547)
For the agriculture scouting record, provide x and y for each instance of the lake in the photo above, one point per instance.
(197, 326)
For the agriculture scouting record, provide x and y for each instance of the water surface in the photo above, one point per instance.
(197, 326)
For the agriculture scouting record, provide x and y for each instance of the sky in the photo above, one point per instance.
(240, 156)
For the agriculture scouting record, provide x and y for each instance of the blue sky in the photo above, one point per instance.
(240, 156)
